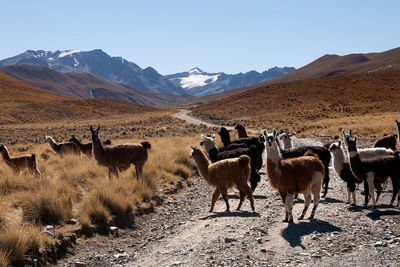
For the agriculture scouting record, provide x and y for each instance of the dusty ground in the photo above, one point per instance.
(182, 232)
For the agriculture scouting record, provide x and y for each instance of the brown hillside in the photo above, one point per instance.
(85, 85)
(310, 104)
(325, 66)
(21, 102)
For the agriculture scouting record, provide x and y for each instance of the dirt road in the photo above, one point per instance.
(182, 232)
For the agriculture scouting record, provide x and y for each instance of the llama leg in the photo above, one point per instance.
(214, 199)
(326, 180)
(378, 192)
(286, 209)
(370, 180)
(348, 195)
(307, 201)
(315, 191)
(366, 192)
(249, 193)
(242, 197)
(289, 204)
(137, 171)
(395, 191)
(224, 194)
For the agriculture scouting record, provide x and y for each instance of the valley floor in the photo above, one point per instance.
(182, 232)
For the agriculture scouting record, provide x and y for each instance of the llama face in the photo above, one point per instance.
(208, 142)
(335, 147)
(239, 126)
(95, 134)
(351, 144)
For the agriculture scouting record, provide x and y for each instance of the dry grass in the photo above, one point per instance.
(77, 187)
(364, 102)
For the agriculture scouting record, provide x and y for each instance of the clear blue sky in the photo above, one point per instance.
(230, 36)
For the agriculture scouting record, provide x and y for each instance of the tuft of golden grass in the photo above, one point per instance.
(14, 243)
(49, 205)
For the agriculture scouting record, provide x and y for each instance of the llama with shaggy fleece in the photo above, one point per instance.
(223, 175)
(19, 163)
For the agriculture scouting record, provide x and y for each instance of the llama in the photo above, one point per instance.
(387, 142)
(17, 164)
(374, 170)
(119, 157)
(303, 174)
(342, 168)
(212, 150)
(321, 151)
(86, 148)
(258, 141)
(224, 175)
(62, 148)
(398, 130)
(209, 145)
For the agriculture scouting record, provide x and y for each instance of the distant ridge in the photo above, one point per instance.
(85, 85)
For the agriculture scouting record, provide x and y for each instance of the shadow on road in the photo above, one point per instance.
(244, 214)
(294, 232)
(377, 214)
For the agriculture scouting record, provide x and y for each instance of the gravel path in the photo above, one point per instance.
(182, 232)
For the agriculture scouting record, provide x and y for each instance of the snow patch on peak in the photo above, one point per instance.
(68, 53)
(195, 80)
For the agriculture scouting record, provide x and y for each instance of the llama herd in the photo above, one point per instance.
(115, 157)
(293, 170)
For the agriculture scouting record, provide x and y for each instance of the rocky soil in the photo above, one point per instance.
(182, 232)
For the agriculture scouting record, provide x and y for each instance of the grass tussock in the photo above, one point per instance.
(51, 205)
(14, 243)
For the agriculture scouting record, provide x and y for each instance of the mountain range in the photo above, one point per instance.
(116, 69)
(199, 83)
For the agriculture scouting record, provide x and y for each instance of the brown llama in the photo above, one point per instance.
(119, 157)
(291, 176)
(86, 148)
(62, 148)
(387, 142)
(224, 175)
(17, 164)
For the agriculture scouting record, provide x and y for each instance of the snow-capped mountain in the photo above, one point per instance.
(199, 83)
(97, 62)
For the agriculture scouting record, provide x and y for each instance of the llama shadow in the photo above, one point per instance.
(377, 214)
(355, 208)
(243, 214)
(237, 197)
(330, 200)
(294, 232)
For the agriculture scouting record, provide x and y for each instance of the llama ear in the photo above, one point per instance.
(202, 136)
(340, 143)
(355, 138)
(274, 132)
(98, 128)
(397, 122)
(91, 128)
(350, 132)
(192, 147)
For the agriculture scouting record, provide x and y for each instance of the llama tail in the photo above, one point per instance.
(146, 144)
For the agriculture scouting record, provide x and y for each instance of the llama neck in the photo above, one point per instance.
(209, 145)
(356, 164)
(202, 164)
(242, 133)
(51, 142)
(5, 154)
(273, 153)
(287, 143)
(98, 147)
(339, 158)
(226, 139)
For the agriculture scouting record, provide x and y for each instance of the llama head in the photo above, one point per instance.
(398, 124)
(2, 147)
(195, 152)
(270, 137)
(239, 127)
(208, 142)
(223, 131)
(95, 134)
(351, 144)
(48, 139)
(73, 139)
(333, 147)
